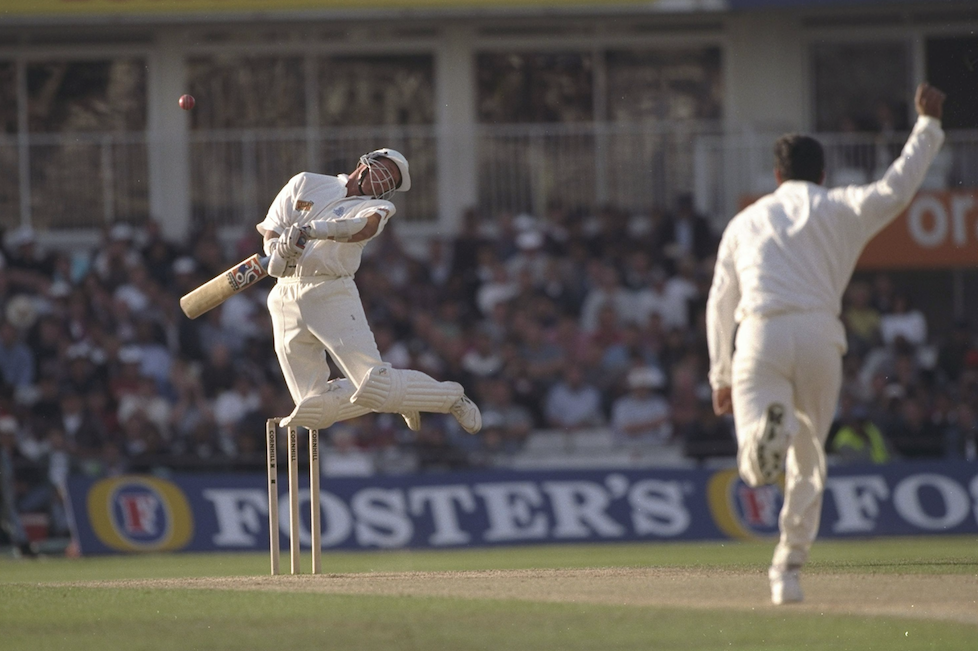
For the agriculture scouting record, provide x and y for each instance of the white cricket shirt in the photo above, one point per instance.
(309, 196)
(795, 249)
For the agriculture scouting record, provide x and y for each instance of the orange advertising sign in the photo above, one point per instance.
(937, 230)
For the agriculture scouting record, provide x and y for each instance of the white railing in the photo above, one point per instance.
(85, 181)
(235, 174)
(635, 166)
(732, 168)
(79, 181)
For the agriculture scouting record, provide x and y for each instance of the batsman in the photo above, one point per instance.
(314, 234)
(775, 339)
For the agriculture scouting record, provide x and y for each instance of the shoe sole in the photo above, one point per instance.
(477, 425)
(773, 446)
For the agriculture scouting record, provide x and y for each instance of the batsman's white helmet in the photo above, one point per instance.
(370, 160)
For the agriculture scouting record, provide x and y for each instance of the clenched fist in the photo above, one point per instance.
(929, 101)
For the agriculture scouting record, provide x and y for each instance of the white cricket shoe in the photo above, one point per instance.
(413, 420)
(467, 414)
(785, 586)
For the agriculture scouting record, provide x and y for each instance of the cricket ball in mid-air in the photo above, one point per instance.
(186, 102)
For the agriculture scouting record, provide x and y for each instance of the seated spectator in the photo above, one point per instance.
(482, 359)
(573, 403)
(498, 288)
(655, 301)
(190, 406)
(343, 457)
(637, 270)
(619, 356)
(125, 377)
(544, 360)
(686, 232)
(607, 330)
(683, 289)
(861, 318)
(155, 357)
(961, 437)
(142, 443)
(16, 359)
(433, 449)
(954, 351)
(83, 432)
(642, 416)
(116, 257)
(531, 256)
(148, 402)
(904, 322)
(218, 371)
(858, 439)
(514, 420)
(707, 435)
(393, 351)
(230, 408)
(914, 435)
(606, 289)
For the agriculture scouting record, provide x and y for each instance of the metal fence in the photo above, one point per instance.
(733, 168)
(635, 166)
(236, 174)
(78, 181)
(85, 181)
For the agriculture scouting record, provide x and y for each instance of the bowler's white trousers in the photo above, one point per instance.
(792, 359)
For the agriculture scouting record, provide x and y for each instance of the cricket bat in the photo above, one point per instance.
(222, 287)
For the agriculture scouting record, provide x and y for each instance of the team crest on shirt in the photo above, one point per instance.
(302, 205)
(339, 211)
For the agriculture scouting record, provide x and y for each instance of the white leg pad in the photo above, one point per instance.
(391, 390)
(321, 411)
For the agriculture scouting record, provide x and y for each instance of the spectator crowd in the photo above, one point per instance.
(567, 320)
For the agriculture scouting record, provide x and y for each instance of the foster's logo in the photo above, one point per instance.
(743, 512)
(134, 513)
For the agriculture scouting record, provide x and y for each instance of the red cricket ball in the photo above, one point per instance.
(186, 102)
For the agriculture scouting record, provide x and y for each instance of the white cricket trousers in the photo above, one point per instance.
(310, 313)
(794, 360)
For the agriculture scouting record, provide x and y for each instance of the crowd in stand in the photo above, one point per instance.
(565, 320)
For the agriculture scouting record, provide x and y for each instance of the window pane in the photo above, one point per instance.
(665, 85)
(8, 98)
(864, 87)
(374, 91)
(87, 182)
(9, 192)
(73, 96)
(235, 92)
(535, 87)
(952, 66)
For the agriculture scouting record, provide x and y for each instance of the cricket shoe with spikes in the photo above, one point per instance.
(772, 448)
(467, 414)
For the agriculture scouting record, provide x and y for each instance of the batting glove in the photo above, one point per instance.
(293, 242)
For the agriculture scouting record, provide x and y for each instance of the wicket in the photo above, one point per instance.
(271, 442)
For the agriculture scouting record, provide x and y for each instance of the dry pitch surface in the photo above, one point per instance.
(935, 597)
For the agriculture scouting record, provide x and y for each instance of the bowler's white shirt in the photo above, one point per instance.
(795, 249)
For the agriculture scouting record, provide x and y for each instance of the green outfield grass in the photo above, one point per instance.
(40, 609)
